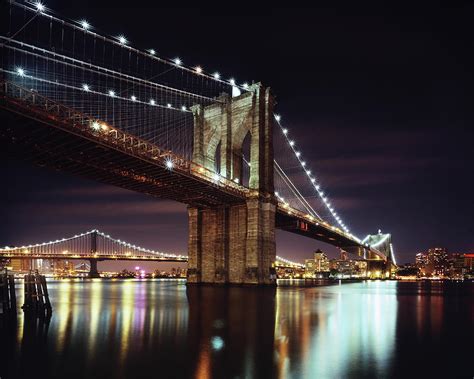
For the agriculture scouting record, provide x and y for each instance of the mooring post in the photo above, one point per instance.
(11, 278)
(46, 294)
(39, 290)
(4, 292)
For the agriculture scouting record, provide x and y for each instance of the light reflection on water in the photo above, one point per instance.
(162, 328)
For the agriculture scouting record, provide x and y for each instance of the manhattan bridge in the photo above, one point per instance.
(94, 105)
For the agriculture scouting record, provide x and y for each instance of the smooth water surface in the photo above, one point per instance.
(157, 328)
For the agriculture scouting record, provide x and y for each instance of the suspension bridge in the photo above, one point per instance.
(94, 105)
(95, 246)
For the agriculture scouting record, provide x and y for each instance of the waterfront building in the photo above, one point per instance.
(349, 268)
(318, 267)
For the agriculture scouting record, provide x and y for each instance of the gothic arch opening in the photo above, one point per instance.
(217, 158)
(245, 160)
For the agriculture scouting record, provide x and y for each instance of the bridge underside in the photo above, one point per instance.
(48, 142)
(293, 224)
(231, 229)
(44, 144)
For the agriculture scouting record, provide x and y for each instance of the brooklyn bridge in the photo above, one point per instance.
(99, 107)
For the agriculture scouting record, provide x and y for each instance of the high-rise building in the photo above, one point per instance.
(309, 268)
(321, 261)
(433, 263)
(318, 267)
(469, 262)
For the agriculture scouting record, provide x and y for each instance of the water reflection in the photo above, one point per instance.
(231, 331)
(336, 331)
(121, 329)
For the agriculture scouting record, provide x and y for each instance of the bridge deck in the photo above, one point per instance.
(52, 135)
(63, 139)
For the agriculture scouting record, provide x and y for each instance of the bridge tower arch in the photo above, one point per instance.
(235, 243)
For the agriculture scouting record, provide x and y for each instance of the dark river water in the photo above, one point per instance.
(163, 329)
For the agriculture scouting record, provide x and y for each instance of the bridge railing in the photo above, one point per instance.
(106, 134)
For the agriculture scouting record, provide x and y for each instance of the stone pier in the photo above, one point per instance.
(235, 244)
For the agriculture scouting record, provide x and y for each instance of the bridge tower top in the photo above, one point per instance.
(221, 128)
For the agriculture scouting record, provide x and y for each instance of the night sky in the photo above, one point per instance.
(380, 101)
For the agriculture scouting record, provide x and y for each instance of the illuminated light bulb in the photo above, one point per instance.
(285, 131)
(298, 153)
(85, 25)
(104, 127)
(317, 188)
(39, 6)
(277, 117)
(177, 61)
(276, 193)
(95, 125)
(232, 81)
(152, 102)
(86, 87)
(168, 105)
(245, 85)
(112, 93)
(169, 164)
(122, 39)
(216, 176)
(308, 172)
(20, 71)
(198, 69)
(133, 98)
(313, 180)
(321, 194)
(303, 164)
(216, 75)
(183, 108)
(152, 51)
(292, 143)
(236, 180)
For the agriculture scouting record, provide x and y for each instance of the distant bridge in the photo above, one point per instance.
(96, 246)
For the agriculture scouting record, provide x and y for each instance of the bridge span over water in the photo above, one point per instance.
(96, 106)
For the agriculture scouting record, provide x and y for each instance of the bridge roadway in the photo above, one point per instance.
(64, 139)
(114, 257)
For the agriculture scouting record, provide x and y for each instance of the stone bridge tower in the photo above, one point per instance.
(235, 243)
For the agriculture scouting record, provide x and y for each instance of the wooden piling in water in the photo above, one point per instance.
(11, 286)
(7, 293)
(36, 295)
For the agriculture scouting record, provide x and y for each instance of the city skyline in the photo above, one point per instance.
(403, 170)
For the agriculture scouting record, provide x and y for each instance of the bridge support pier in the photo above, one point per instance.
(235, 243)
(232, 245)
(94, 272)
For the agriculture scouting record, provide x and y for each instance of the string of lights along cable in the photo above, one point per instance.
(79, 245)
(141, 93)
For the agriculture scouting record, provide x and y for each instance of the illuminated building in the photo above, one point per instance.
(469, 262)
(433, 263)
(318, 266)
(321, 261)
(349, 268)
